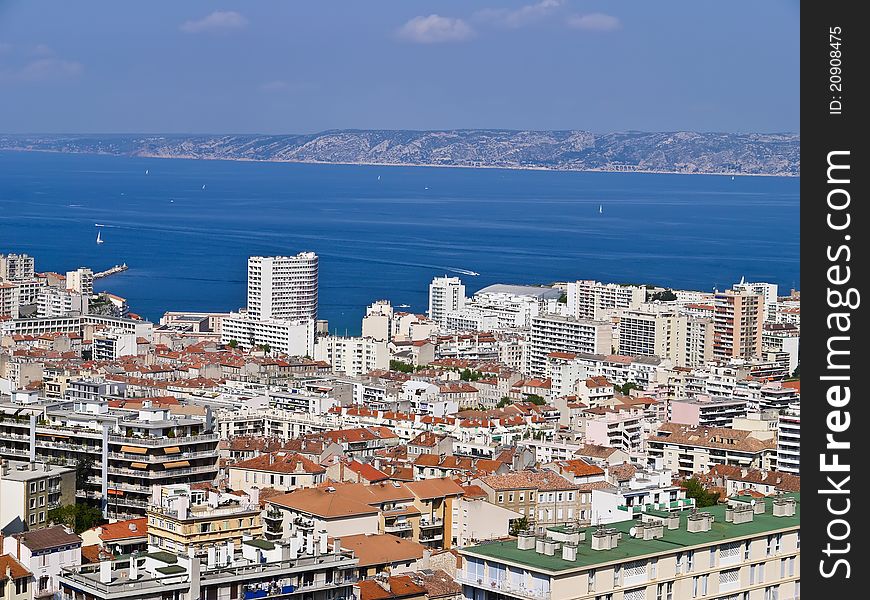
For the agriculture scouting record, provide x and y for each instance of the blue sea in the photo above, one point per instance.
(384, 232)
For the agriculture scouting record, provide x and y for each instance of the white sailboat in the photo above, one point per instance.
(99, 239)
(600, 209)
(146, 171)
(203, 186)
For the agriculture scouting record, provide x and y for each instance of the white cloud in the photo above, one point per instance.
(594, 22)
(48, 69)
(220, 20)
(42, 50)
(435, 29)
(519, 17)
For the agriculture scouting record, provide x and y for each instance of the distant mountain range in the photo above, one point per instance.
(678, 152)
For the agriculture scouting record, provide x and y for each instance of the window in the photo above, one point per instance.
(699, 585)
(665, 591)
(798, 539)
(32, 519)
(712, 557)
(617, 570)
(756, 573)
(42, 500)
(653, 566)
(559, 497)
(540, 515)
(746, 550)
(570, 496)
(522, 496)
(635, 594)
(33, 503)
(774, 543)
(690, 561)
(786, 567)
(511, 497)
(42, 516)
(42, 485)
(570, 513)
(771, 592)
(523, 510)
(679, 562)
(501, 498)
(21, 586)
(559, 515)
(540, 497)
(33, 487)
(590, 586)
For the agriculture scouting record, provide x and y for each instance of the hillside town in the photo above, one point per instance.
(576, 440)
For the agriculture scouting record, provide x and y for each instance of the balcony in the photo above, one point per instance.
(503, 586)
(163, 441)
(397, 526)
(431, 523)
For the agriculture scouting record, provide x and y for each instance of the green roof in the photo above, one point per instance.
(261, 544)
(171, 570)
(630, 548)
(166, 557)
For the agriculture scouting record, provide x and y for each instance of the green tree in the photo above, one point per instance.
(694, 489)
(469, 375)
(626, 387)
(535, 399)
(563, 298)
(518, 525)
(80, 517)
(505, 400)
(233, 344)
(664, 296)
(796, 374)
(266, 348)
(402, 367)
(84, 466)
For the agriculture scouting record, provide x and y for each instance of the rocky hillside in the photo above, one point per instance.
(682, 152)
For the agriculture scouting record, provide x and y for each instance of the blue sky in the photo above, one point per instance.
(277, 66)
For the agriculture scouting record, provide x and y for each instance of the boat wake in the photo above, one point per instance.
(463, 271)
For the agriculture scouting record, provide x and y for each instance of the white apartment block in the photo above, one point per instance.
(112, 345)
(589, 299)
(699, 342)
(788, 440)
(352, 356)
(615, 430)
(80, 281)
(53, 302)
(556, 333)
(446, 294)
(15, 267)
(295, 338)
(283, 287)
(378, 322)
(470, 318)
(653, 330)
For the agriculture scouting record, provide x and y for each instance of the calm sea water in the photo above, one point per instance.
(187, 245)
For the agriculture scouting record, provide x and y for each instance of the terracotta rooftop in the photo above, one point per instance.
(16, 569)
(528, 480)
(323, 503)
(120, 530)
(400, 586)
(280, 462)
(381, 549)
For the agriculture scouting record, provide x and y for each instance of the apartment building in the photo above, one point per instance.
(707, 410)
(126, 450)
(752, 553)
(295, 338)
(688, 450)
(352, 356)
(80, 281)
(653, 330)
(301, 566)
(15, 267)
(588, 299)
(282, 471)
(45, 552)
(189, 520)
(112, 345)
(52, 302)
(283, 287)
(545, 498)
(446, 294)
(556, 333)
(738, 321)
(769, 291)
(788, 440)
(30, 489)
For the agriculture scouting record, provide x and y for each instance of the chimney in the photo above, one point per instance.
(194, 577)
(324, 542)
(336, 545)
(698, 522)
(784, 507)
(539, 545)
(134, 566)
(105, 571)
(211, 557)
(569, 551)
(525, 540)
(549, 547)
(674, 521)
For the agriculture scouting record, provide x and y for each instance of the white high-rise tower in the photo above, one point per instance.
(445, 294)
(283, 287)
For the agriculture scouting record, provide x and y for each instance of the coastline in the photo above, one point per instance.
(379, 164)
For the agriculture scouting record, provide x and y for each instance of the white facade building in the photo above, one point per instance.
(589, 299)
(446, 294)
(352, 356)
(15, 267)
(112, 345)
(80, 281)
(283, 287)
(788, 440)
(53, 302)
(295, 338)
(556, 333)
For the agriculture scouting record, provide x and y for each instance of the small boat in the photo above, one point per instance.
(203, 186)
(99, 239)
(146, 171)
(732, 178)
(426, 188)
(98, 225)
(379, 177)
(600, 209)
(171, 201)
(403, 306)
